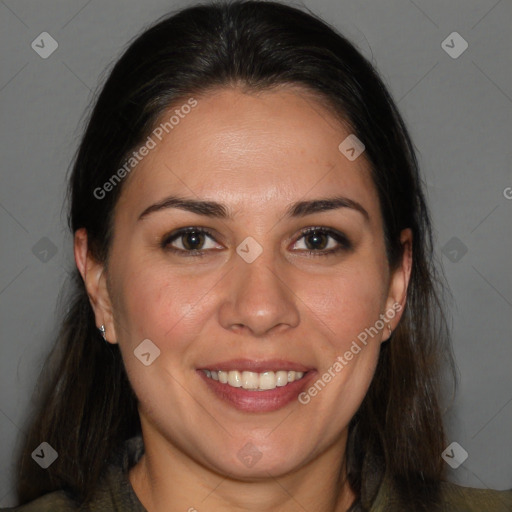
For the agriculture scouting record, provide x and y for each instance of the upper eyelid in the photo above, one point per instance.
(175, 234)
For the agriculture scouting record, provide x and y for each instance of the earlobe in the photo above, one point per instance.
(95, 280)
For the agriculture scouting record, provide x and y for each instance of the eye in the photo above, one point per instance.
(195, 241)
(322, 241)
(190, 239)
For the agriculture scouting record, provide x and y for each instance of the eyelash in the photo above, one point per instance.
(344, 243)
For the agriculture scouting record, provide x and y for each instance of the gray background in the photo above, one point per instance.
(458, 111)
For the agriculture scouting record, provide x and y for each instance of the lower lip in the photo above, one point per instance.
(258, 401)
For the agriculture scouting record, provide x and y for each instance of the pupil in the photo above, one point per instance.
(316, 240)
(193, 239)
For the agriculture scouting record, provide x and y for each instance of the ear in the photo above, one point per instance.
(399, 282)
(95, 279)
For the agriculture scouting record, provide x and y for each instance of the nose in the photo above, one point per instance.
(259, 298)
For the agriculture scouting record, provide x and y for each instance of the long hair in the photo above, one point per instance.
(87, 408)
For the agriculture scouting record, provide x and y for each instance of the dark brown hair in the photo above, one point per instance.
(87, 408)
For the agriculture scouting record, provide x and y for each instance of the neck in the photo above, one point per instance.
(166, 479)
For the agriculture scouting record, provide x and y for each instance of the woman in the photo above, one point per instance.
(255, 323)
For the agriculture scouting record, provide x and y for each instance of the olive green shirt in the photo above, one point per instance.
(115, 494)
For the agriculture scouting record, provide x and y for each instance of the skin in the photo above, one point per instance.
(256, 153)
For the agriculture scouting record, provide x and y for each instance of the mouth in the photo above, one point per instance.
(256, 386)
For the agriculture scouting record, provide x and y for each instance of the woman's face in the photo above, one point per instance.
(248, 290)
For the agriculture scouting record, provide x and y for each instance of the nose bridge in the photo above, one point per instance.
(258, 298)
(261, 276)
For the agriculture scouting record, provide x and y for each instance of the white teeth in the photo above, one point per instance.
(254, 381)
(235, 379)
(281, 378)
(267, 380)
(250, 380)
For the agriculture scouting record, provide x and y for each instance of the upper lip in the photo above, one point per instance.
(255, 365)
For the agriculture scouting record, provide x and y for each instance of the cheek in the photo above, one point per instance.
(169, 309)
(345, 306)
(163, 305)
(347, 302)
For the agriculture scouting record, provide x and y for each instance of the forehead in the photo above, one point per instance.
(246, 149)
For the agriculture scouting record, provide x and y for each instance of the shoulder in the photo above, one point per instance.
(452, 498)
(114, 493)
(457, 498)
(56, 501)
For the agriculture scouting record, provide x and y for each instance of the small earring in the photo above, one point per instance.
(390, 330)
(102, 331)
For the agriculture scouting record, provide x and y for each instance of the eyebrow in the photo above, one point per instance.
(218, 210)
